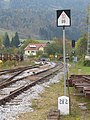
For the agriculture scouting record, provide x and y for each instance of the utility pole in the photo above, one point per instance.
(87, 57)
(88, 44)
(64, 60)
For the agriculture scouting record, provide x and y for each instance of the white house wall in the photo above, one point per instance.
(28, 53)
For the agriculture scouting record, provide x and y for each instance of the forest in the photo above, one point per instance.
(37, 19)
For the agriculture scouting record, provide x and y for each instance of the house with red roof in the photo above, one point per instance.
(32, 48)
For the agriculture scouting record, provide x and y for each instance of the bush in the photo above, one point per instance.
(86, 63)
(8, 64)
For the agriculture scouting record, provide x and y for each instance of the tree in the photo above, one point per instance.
(6, 40)
(56, 47)
(53, 48)
(81, 46)
(43, 33)
(15, 41)
(12, 42)
(26, 42)
(16, 38)
(1, 43)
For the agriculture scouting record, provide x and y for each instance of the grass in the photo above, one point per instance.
(79, 69)
(49, 100)
(46, 101)
(12, 64)
(44, 41)
(3, 31)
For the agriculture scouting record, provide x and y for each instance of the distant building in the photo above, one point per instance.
(32, 48)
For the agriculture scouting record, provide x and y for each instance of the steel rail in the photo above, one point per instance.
(2, 72)
(10, 80)
(18, 91)
(24, 69)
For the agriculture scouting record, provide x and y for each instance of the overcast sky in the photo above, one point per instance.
(7, 0)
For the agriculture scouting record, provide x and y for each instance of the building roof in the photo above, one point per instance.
(34, 46)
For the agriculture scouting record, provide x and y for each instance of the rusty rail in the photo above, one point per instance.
(22, 70)
(18, 91)
(2, 72)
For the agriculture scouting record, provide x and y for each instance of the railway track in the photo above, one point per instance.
(6, 71)
(81, 83)
(17, 86)
(16, 72)
(28, 69)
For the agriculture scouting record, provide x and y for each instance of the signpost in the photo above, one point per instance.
(64, 20)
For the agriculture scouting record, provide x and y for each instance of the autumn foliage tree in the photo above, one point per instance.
(81, 46)
(56, 47)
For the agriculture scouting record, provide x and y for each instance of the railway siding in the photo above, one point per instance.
(21, 102)
(41, 74)
(81, 83)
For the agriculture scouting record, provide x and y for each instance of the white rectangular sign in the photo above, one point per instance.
(63, 105)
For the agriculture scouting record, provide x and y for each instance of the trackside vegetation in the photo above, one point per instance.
(49, 100)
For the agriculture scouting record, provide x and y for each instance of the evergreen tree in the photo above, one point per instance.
(1, 44)
(15, 40)
(6, 40)
(12, 42)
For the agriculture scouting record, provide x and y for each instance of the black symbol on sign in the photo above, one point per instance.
(63, 18)
(63, 101)
(63, 21)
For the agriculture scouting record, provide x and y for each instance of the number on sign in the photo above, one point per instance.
(63, 21)
(63, 18)
(63, 101)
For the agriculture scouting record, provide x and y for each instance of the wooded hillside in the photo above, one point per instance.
(37, 19)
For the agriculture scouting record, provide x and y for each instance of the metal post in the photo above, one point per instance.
(88, 44)
(64, 59)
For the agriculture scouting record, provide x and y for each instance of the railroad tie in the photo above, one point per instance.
(53, 115)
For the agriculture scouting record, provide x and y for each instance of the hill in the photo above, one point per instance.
(37, 18)
(3, 31)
